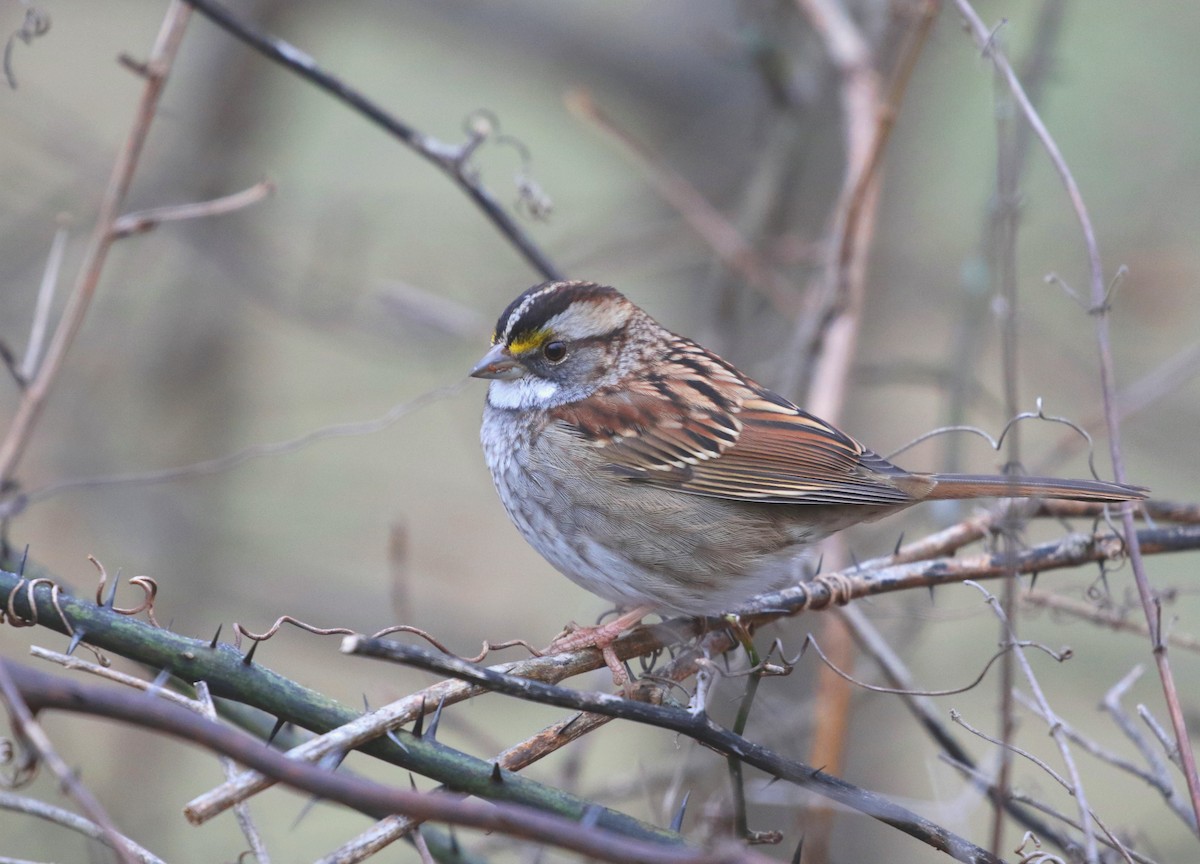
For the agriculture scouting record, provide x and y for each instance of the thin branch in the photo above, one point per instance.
(1106, 617)
(1091, 816)
(1075, 786)
(452, 160)
(203, 706)
(871, 641)
(72, 821)
(45, 301)
(216, 465)
(1099, 293)
(22, 718)
(708, 223)
(34, 397)
(147, 220)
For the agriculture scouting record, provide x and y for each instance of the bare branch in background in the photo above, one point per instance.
(33, 399)
(1099, 293)
(452, 160)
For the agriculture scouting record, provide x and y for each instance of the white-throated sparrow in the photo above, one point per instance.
(653, 473)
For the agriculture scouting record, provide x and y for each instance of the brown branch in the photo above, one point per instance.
(147, 220)
(66, 819)
(1107, 617)
(162, 56)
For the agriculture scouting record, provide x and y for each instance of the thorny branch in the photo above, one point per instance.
(43, 692)
(695, 724)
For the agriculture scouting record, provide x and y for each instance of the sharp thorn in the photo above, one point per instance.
(431, 732)
(591, 816)
(412, 781)
(854, 560)
(820, 562)
(395, 739)
(276, 729)
(111, 602)
(497, 777)
(799, 851)
(562, 730)
(419, 727)
(249, 658)
(76, 638)
(677, 822)
(216, 637)
(896, 551)
(930, 593)
(24, 561)
(160, 681)
(454, 842)
(1033, 577)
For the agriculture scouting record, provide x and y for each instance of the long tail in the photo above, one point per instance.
(996, 486)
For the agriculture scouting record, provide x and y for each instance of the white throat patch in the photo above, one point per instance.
(526, 392)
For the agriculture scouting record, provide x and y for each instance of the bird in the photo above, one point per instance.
(658, 476)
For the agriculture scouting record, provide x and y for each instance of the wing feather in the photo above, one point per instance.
(698, 426)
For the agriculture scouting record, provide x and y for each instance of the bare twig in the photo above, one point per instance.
(34, 397)
(21, 715)
(1062, 781)
(871, 641)
(147, 220)
(205, 708)
(1099, 293)
(66, 819)
(1156, 777)
(452, 160)
(722, 237)
(1107, 617)
(218, 464)
(45, 300)
(1056, 732)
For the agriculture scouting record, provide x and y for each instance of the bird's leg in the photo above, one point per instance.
(602, 637)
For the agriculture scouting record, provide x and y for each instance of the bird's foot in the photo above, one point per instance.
(602, 637)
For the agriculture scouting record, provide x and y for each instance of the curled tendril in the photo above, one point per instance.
(19, 764)
(997, 442)
(488, 647)
(149, 592)
(28, 587)
(239, 631)
(1035, 855)
(532, 200)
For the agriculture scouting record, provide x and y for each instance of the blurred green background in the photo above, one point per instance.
(209, 336)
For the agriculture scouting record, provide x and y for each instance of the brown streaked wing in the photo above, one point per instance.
(735, 440)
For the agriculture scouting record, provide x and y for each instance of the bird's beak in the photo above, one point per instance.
(498, 364)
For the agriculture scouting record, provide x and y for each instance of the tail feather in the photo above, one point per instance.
(985, 486)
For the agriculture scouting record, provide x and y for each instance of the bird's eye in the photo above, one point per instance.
(555, 351)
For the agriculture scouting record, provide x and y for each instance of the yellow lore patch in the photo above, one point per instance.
(528, 342)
